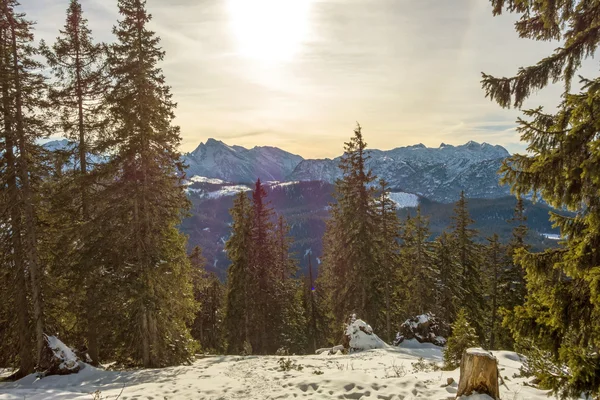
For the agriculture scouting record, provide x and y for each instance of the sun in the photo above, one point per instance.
(269, 30)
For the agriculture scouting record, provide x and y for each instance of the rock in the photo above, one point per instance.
(478, 373)
(57, 358)
(449, 381)
(425, 328)
(360, 336)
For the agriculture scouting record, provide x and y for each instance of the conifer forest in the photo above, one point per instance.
(108, 286)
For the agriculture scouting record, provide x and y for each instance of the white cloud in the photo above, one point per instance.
(407, 70)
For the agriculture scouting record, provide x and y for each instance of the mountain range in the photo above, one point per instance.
(439, 174)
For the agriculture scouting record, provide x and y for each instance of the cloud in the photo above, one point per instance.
(409, 71)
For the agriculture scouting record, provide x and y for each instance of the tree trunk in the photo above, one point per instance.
(478, 373)
(30, 231)
(26, 363)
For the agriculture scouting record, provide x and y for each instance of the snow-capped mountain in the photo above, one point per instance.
(436, 173)
(215, 159)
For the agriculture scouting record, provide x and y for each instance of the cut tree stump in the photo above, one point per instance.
(478, 373)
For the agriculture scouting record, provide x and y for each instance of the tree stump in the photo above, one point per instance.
(478, 373)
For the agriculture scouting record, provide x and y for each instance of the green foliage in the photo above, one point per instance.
(468, 255)
(561, 313)
(419, 273)
(463, 337)
(352, 274)
(288, 365)
(264, 302)
(209, 293)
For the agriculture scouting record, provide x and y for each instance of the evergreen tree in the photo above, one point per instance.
(468, 253)
(448, 291)
(263, 258)
(209, 293)
(135, 237)
(495, 263)
(352, 273)
(561, 313)
(513, 287)
(418, 267)
(78, 94)
(389, 254)
(463, 336)
(238, 247)
(316, 322)
(24, 123)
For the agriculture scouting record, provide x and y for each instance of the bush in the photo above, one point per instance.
(463, 336)
(288, 365)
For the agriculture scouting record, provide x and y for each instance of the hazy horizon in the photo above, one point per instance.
(299, 74)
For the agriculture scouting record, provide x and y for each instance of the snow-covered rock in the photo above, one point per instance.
(58, 358)
(360, 336)
(426, 328)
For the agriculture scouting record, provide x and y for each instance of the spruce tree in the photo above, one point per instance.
(389, 228)
(352, 273)
(495, 263)
(209, 293)
(561, 313)
(24, 123)
(463, 337)
(448, 290)
(513, 287)
(238, 247)
(143, 201)
(468, 255)
(78, 95)
(418, 266)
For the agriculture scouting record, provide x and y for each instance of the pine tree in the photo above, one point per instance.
(23, 93)
(209, 292)
(78, 95)
(448, 291)
(143, 201)
(468, 253)
(495, 263)
(463, 336)
(263, 258)
(238, 247)
(418, 267)
(562, 310)
(389, 254)
(352, 274)
(513, 287)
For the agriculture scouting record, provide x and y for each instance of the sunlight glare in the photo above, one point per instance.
(269, 30)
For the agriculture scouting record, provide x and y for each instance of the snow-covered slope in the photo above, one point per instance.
(375, 374)
(215, 159)
(436, 173)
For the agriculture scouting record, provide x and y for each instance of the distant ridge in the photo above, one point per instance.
(436, 173)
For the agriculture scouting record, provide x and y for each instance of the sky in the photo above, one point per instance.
(299, 74)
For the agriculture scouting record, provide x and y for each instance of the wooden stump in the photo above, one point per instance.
(478, 373)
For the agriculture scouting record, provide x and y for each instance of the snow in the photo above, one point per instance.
(283, 184)
(381, 373)
(203, 179)
(404, 200)
(551, 236)
(362, 337)
(228, 191)
(63, 352)
(478, 351)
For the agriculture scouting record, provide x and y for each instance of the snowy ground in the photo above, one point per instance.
(374, 374)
